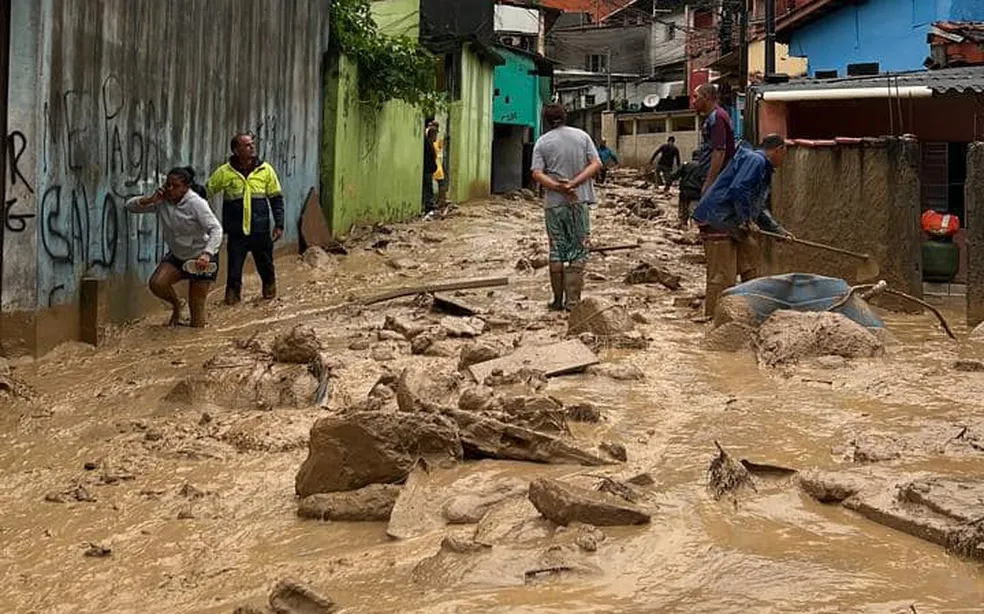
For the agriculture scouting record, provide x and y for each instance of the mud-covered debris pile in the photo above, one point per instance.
(944, 510)
(789, 336)
(10, 386)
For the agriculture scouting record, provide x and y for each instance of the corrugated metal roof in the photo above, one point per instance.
(964, 80)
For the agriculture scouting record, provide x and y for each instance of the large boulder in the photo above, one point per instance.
(372, 503)
(299, 345)
(477, 352)
(361, 448)
(564, 503)
(600, 317)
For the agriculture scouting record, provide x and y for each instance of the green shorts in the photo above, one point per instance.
(569, 230)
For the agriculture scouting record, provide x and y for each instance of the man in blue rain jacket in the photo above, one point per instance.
(730, 213)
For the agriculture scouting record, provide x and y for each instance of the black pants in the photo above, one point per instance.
(428, 193)
(260, 244)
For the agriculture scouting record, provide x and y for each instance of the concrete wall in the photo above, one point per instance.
(516, 96)
(471, 131)
(974, 226)
(890, 32)
(859, 197)
(372, 158)
(669, 39)
(636, 143)
(105, 95)
(791, 65)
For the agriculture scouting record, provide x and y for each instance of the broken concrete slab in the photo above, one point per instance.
(477, 352)
(354, 450)
(291, 597)
(943, 510)
(403, 326)
(484, 437)
(551, 360)
(565, 503)
(372, 503)
(412, 516)
(617, 371)
(471, 508)
(466, 328)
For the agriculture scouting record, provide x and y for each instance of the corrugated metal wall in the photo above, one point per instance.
(105, 95)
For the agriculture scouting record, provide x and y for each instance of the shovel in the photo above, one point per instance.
(867, 270)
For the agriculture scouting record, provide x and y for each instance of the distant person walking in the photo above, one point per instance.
(564, 162)
(691, 181)
(667, 158)
(250, 192)
(717, 136)
(193, 236)
(430, 167)
(730, 213)
(439, 175)
(608, 158)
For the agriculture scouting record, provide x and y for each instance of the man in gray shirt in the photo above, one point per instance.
(564, 162)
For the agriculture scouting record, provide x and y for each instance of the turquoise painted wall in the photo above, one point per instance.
(471, 130)
(372, 160)
(517, 92)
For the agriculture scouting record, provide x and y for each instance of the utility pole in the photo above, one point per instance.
(608, 66)
(770, 38)
(742, 44)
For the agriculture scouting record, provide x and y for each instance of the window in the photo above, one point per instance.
(590, 100)
(670, 31)
(596, 63)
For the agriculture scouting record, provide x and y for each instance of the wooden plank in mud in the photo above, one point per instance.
(455, 305)
(553, 359)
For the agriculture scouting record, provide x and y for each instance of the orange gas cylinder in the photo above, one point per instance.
(940, 224)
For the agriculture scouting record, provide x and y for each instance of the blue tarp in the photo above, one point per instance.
(802, 292)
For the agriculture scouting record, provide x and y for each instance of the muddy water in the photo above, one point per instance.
(778, 551)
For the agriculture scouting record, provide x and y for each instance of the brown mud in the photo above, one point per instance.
(157, 473)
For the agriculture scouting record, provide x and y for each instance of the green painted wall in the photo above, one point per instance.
(471, 130)
(518, 99)
(372, 160)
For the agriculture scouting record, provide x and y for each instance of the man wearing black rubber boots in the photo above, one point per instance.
(251, 192)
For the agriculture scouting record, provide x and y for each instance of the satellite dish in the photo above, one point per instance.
(651, 101)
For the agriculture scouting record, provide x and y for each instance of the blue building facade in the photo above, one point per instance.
(890, 32)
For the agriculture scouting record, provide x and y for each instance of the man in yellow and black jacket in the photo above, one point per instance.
(250, 192)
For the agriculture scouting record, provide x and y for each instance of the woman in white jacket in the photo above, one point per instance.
(193, 235)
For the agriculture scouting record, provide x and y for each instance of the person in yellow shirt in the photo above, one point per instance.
(251, 195)
(439, 176)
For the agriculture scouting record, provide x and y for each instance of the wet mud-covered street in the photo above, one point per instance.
(158, 473)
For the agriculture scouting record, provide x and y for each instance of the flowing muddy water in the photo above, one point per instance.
(200, 524)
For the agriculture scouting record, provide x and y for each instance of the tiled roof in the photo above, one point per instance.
(964, 80)
(958, 31)
(598, 9)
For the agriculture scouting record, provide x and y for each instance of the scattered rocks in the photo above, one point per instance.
(290, 597)
(536, 412)
(352, 451)
(422, 388)
(317, 258)
(646, 273)
(484, 437)
(462, 327)
(384, 352)
(787, 336)
(300, 345)
(615, 450)
(564, 503)
(471, 508)
(478, 399)
(389, 335)
(969, 366)
(617, 371)
(462, 545)
(584, 412)
(588, 537)
(97, 551)
(600, 317)
(402, 326)
(372, 503)
(359, 345)
(75, 493)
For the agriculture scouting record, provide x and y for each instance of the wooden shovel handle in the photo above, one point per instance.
(829, 248)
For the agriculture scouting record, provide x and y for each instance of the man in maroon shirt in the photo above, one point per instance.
(717, 136)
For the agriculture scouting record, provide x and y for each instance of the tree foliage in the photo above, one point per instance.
(390, 67)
